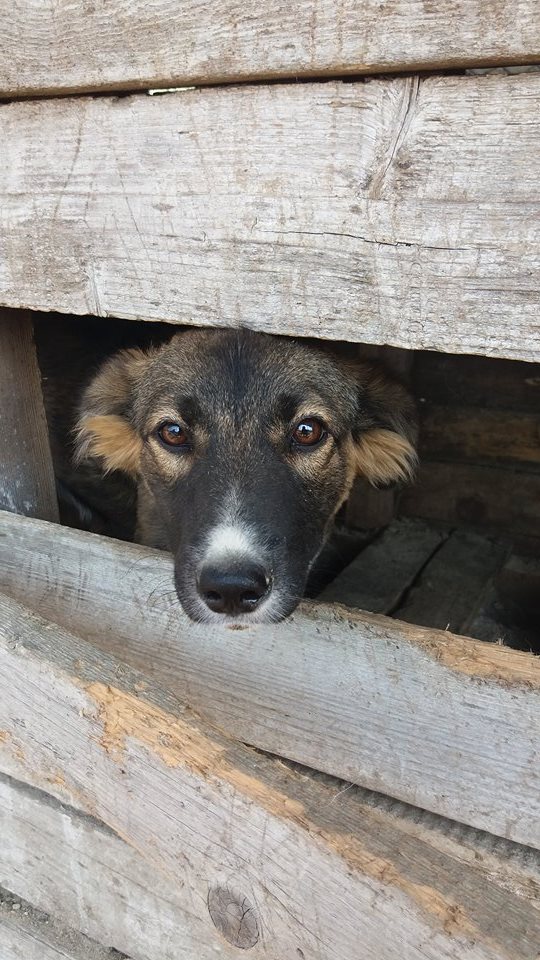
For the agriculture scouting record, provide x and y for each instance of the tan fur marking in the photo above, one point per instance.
(383, 456)
(113, 440)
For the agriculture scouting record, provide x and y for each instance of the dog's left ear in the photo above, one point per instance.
(105, 429)
(386, 431)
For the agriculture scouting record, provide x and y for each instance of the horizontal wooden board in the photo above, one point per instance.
(398, 211)
(488, 497)
(264, 859)
(445, 723)
(482, 382)
(64, 861)
(73, 867)
(473, 433)
(61, 45)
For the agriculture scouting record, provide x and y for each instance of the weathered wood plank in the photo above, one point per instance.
(490, 497)
(472, 433)
(377, 579)
(64, 861)
(26, 472)
(445, 723)
(64, 45)
(398, 212)
(73, 867)
(483, 382)
(451, 585)
(273, 860)
(27, 934)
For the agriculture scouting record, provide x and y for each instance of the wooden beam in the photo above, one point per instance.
(473, 434)
(61, 46)
(26, 473)
(397, 212)
(445, 723)
(263, 858)
(73, 867)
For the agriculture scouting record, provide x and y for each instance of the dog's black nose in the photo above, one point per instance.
(233, 590)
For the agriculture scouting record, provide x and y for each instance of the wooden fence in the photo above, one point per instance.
(172, 793)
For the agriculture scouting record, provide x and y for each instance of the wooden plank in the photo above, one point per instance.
(397, 212)
(442, 722)
(27, 934)
(474, 433)
(476, 382)
(63, 46)
(264, 858)
(377, 579)
(64, 860)
(73, 867)
(451, 585)
(488, 497)
(26, 472)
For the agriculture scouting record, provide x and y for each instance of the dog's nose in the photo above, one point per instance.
(233, 590)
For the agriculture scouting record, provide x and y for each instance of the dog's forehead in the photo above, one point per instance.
(220, 369)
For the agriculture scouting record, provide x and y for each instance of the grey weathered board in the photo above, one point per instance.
(398, 211)
(61, 45)
(452, 584)
(72, 866)
(26, 472)
(445, 723)
(379, 576)
(67, 863)
(280, 864)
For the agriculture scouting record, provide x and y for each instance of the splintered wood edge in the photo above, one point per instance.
(140, 713)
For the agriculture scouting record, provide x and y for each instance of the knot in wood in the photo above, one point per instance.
(234, 916)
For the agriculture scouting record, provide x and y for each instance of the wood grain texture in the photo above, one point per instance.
(476, 434)
(398, 212)
(65, 45)
(26, 472)
(492, 498)
(445, 723)
(307, 872)
(450, 587)
(73, 867)
(379, 576)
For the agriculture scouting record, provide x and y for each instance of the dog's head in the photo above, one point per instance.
(245, 446)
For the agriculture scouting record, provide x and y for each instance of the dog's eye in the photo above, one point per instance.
(308, 432)
(173, 434)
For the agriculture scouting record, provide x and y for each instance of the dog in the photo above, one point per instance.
(239, 449)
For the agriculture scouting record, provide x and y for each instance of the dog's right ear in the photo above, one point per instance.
(105, 429)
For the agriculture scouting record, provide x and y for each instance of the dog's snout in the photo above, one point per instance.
(233, 590)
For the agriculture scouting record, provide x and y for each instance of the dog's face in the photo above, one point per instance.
(245, 446)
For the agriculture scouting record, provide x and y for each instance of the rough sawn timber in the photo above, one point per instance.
(72, 866)
(26, 471)
(394, 211)
(274, 860)
(445, 723)
(57, 46)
